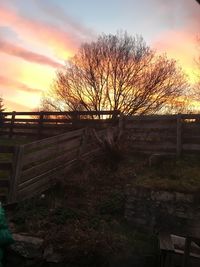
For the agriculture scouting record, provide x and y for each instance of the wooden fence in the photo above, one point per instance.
(6, 157)
(175, 134)
(40, 125)
(36, 166)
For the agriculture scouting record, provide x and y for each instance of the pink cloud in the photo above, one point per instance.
(25, 54)
(181, 46)
(14, 106)
(58, 13)
(40, 32)
(9, 82)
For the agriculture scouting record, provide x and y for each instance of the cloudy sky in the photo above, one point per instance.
(38, 36)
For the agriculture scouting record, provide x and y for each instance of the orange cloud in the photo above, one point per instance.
(14, 106)
(181, 46)
(25, 54)
(8, 82)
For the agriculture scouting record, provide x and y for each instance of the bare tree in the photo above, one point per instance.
(2, 109)
(196, 88)
(117, 72)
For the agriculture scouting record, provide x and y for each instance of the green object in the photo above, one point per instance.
(1, 255)
(3, 222)
(5, 237)
(5, 234)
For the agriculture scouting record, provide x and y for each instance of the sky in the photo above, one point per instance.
(37, 37)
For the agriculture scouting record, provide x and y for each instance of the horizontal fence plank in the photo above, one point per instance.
(45, 175)
(69, 113)
(50, 152)
(150, 126)
(149, 117)
(44, 183)
(26, 194)
(36, 188)
(191, 147)
(153, 147)
(7, 149)
(53, 140)
(51, 163)
(4, 183)
(5, 166)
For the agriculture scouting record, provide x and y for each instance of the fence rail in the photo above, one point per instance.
(38, 165)
(44, 124)
(6, 156)
(164, 133)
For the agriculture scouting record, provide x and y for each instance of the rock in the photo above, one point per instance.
(51, 256)
(27, 246)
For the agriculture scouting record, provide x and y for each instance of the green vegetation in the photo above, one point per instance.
(182, 175)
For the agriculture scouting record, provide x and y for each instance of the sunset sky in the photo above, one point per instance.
(38, 36)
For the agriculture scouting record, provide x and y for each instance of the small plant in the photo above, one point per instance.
(113, 205)
(61, 215)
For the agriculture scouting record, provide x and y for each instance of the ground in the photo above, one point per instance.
(82, 217)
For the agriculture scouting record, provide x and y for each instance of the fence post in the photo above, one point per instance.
(84, 139)
(178, 135)
(12, 122)
(121, 124)
(40, 124)
(16, 172)
(186, 255)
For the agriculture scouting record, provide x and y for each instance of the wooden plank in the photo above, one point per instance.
(40, 123)
(165, 242)
(191, 139)
(29, 193)
(25, 126)
(153, 147)
(155, 125)
(12, 124)
(190, 116)
(4, 183)
(150, 117)
(16, 172)
(186, 252)
(69, 113)
(191, 147)
(43, 167)
(53, 151)
(37, 179)
(36, 188)
(31, 134)
(26, 120)
(178, 136)
(5, 166)
(53, 140)
(44, 183)
(6, 149)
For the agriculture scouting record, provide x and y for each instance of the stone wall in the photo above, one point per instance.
(176, 212)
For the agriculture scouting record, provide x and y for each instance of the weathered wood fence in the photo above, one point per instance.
(165, 133)
(45, 124)
(38, 165)
(7, 153)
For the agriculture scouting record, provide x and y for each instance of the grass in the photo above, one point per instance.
(181, 175)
